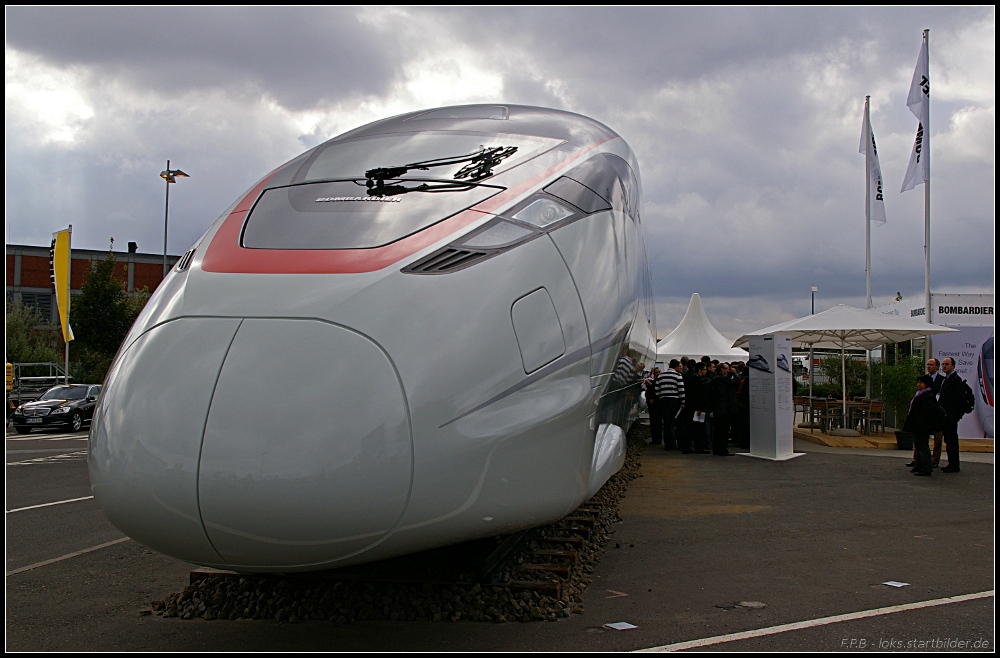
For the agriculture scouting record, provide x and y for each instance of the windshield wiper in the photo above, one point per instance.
(381, 189)
(479, 166)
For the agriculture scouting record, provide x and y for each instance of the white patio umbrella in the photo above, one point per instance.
(846, 326)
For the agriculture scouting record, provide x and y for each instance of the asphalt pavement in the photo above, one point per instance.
(806, 545)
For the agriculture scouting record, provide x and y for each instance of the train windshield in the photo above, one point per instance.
(352, 158)
(327, 205)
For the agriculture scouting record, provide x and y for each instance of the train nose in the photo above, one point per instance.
(302, 454)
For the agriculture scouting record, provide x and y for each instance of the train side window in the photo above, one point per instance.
(577, 194)
(618, 199)
(599, 176)
(633, 195)
(628, 182)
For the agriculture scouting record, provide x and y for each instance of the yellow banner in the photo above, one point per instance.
(59, 267)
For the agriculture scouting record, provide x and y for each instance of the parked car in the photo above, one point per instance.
(61, 406)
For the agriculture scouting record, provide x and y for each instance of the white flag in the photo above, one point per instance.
(876, 209)
(919, 102)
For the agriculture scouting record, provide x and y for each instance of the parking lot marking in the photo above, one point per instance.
(58, 502)
(35, 451)
(57, 437)
(67, 556)
(68, 456)
(822, 621)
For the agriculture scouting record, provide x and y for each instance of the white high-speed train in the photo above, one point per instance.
(423, 331)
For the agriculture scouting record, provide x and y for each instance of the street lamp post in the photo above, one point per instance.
(813, 292)
(171, 176)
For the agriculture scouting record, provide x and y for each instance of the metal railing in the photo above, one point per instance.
(33, 379)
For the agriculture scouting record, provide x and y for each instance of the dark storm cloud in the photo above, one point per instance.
(633, 48)
(625, 46)
(745, 122)
(300, 57)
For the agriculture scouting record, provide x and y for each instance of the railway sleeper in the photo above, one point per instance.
(559, 569)
(582, 532)
(572, 556)
(578, 542)
(550, 588)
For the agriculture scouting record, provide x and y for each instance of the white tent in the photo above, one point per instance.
(696, 337)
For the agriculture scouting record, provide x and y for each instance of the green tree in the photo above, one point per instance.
(25, 344)
(101, 317)
(857, 373)
(100, 313)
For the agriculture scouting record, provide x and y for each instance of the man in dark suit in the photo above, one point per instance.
(933, 369)
(952, 398)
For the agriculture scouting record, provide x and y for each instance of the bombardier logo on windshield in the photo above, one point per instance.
(377, 199)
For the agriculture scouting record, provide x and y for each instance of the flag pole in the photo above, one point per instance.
(868, 206)
(69, 277)
(868, 234)
(927, 196)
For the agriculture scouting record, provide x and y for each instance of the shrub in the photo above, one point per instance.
(897, 382)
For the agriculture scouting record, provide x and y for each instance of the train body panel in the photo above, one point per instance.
(341, 410)
(144, 456)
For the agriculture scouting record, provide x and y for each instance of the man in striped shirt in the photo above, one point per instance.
(670, 397)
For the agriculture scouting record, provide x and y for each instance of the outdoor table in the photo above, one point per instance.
(856, 411)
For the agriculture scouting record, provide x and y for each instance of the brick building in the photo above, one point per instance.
(28, 278)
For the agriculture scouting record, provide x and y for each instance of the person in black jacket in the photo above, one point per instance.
(685, 424)
(952, 398)
(921, 421)
(709, 376)
(938, 378)
(724, 408)
(697, 396)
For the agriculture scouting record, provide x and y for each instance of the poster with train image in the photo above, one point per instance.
(972, 349)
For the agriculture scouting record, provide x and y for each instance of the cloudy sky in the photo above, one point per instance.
(746, 123)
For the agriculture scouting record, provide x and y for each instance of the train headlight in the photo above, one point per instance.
(496, 234)
(542, 212)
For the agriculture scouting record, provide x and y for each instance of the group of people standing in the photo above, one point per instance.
(695, 406)
(942, 398)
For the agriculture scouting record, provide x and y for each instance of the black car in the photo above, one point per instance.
(61, 406)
